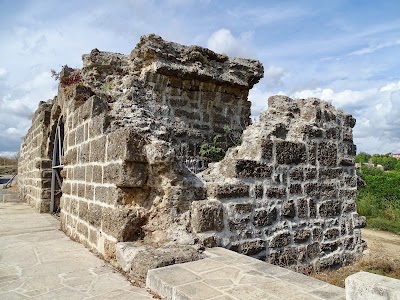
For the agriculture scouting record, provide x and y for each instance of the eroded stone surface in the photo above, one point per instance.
(133, 125)
(302, 194)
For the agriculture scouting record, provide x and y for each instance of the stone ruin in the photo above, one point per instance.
(116, 153)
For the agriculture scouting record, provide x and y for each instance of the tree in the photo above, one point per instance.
(362, 157)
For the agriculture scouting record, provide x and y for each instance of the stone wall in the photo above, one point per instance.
(34, 166)
(287, 193)
(133, 122)
(130, 124)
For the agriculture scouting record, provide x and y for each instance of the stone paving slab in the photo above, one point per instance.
(226, 275)
(37, 261)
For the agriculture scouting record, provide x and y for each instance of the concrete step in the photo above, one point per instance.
(225, 275)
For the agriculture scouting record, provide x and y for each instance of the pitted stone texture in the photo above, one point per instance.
(303, 196)
(207, 215)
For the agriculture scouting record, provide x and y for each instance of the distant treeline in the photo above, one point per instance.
(385, 160)
(6, 161)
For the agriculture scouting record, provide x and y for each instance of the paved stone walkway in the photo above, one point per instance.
(226, 275)
(37, 261)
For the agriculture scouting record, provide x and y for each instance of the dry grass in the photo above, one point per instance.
(370, 263)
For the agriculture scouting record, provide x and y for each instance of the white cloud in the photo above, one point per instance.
(223, 41)
(8, 154)
(377, 112)
(274, 76)
(346, 98)
(3, 72)
(393, 86)
(373, 48)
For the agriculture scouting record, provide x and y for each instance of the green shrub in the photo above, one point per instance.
(379, 200)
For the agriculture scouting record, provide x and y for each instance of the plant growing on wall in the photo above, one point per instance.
(215, 151)
(67, 76)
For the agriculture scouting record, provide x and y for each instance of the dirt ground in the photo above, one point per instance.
(382, 243)
(381, 257)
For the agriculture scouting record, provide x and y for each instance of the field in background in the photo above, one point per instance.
(8, 166)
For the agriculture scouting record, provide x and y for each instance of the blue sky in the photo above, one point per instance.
(346, 52)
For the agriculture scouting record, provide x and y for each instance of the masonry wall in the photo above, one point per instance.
(34, 168)
(287, 194)
(131, 124)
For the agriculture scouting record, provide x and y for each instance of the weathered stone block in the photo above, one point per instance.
(348, 207)
(112, 173)
(310, 173)
(327, 189)
(80, 134)
(332, 133)
(302, 208)
(290, 152)
(80, 93)
(242, 208)
(331, 233)
(83, 153)
(330, 246)
(265, 217)
(347, 194)
(330, 208)
(301, 236)
(313, 132)
(105, 194)
(288, 209)
(284, 258)
(296, 174)
(126, 144)
(330, 173)
(81, 190)
(313, 250)
(93, 107)
(125, 224)
(83, 229)
(295, 189)
(327, 154)
(317, 234)
(94, 215)
(96, 127)
(98, 149)
(312, 205)
(252, 169)
(266, 150)
(311, 189)
(231, 191)
(349, 121)
(275, 192)
(312, 153)
(207, 215)
(132, 174)
(280, 240)
(97, 175)
(79, 173)
(258, 191)
(252, 247)
(359, 221)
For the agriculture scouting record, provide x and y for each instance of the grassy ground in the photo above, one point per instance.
(373, 264)
(382, 258)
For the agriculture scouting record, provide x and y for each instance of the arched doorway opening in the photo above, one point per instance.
(57, 166)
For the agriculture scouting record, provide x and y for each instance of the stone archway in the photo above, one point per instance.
(57, 166)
